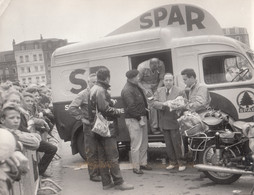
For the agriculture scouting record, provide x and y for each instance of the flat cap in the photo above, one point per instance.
(131, 74)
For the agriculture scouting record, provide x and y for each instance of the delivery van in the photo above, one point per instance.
(182, 36)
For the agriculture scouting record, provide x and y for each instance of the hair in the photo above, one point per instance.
(8, 107)
(27, 94)
(91, 76)
(32, 90)
(168, 73)
(103, 74)
(6, 96)
(189, 72)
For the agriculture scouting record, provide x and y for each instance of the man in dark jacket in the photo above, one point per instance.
(107, 147)
(135, 107)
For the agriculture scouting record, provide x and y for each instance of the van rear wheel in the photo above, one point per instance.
(81, 144)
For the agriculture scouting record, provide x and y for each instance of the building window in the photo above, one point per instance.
(1, 72)
(14, 70)
(40, 57)
(35, 57)
(24, 80)
(28, 69)
(29, 80)
(36, 68)
(42, 68)
(37, 79)
(36, 46)
(27, 58)
(22, 70)
(7, 72)
(21, 59)
(43, 78)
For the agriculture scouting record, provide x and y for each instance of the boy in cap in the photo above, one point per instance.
(135, 109)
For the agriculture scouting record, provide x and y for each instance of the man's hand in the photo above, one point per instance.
(85, 121)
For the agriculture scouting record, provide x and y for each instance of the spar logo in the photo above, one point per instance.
(245, 101)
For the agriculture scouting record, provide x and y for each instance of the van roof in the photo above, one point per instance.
(138, 42)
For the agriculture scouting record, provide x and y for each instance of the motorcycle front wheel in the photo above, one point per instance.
(208, 157)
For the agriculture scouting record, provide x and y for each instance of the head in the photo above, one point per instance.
(35, 92)
(154, 64)
(168, 80)
(103, 74)
(28, 101)
(13, 97)
(10, 116)
(189, 77)
(92, 80)
(133, 76)
(7, 144)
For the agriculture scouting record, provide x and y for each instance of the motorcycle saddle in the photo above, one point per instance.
(212, 121)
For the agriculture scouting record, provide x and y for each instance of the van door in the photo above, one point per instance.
(229, 78)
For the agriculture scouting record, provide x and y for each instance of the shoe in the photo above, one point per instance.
(138, 171)
(169, 167)
(45, 175)
(111, 185)
(156, 132)
(124, 186)
(146, 167)
(96, 178)
(181, 168)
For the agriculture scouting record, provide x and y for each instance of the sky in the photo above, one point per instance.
(88, 20)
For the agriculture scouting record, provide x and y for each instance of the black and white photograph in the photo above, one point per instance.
(150, 97)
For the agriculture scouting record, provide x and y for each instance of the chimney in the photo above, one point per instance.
(41, 37)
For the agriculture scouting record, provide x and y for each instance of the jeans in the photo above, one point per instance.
(49, 151)
(91, 150)
(108, 160)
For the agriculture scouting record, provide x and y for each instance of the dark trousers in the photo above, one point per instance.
(173, 143)
(91, 150)
(108, 160)
(49, 151)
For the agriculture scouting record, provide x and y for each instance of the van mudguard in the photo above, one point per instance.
(77, 127)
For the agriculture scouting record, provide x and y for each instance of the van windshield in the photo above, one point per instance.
(251, 55)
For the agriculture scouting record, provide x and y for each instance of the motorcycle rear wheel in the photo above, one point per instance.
(208, 157)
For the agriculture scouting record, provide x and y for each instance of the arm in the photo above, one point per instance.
(201, 99)
(29, 140)
(74, 109)
(130, 104)
(104, 107)
(157, 104)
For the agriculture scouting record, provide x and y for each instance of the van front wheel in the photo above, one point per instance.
(81, 144)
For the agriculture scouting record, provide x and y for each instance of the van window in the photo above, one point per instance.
(226, 68)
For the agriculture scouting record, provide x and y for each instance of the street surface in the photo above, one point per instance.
(70, 172)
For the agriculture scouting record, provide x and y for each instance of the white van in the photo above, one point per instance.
(182, 36)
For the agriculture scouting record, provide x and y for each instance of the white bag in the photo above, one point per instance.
(101, 125)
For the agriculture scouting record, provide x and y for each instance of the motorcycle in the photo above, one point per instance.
(201, 135)
(230, 154)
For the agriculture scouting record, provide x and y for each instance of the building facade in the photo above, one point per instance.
(8, 67)
(34, 60)
(237, 33)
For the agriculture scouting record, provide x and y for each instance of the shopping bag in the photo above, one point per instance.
(101, 126)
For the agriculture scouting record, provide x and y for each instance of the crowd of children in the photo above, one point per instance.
(26, 119)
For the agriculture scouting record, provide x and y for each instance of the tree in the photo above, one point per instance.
(246, 100)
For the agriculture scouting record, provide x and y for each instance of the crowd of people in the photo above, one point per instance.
(145, 99)
(26, 115)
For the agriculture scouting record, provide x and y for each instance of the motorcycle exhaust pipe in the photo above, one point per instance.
(203, 167)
